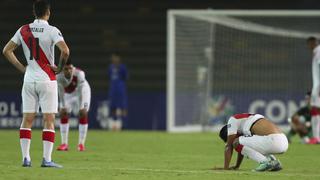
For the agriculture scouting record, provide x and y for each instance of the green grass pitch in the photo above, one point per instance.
(147, 156)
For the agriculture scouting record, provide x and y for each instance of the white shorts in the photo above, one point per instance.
(270, 144)
(315, 97)
(40, 94)
(77, 100)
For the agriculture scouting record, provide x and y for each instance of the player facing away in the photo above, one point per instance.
(118, 76)
(74, 93)
(300, 122)
(255, 137)
(38, 40)
(313, 45)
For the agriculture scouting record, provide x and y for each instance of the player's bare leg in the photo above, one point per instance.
(48, 136)
(64, 130)
(83, 128)
(25, 137)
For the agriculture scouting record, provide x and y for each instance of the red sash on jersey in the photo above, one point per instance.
(241, 116)
(72, 86)
(43, 61)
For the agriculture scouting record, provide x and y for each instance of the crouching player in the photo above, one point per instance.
(254, 137)
(301, 122)
(74, 92)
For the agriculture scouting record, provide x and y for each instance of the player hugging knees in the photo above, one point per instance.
(254, 137)
(74, 93)
(300, 122)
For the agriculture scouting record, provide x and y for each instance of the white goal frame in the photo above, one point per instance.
(201, 15)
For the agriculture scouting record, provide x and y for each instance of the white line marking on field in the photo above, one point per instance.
(215, 172)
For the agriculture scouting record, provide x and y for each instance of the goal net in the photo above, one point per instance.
(224, 62)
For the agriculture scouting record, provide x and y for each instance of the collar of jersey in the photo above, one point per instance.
(40, 21)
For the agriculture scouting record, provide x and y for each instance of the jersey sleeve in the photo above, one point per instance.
(17, 37)
(232, 126)
(56, 35)
(81, 77)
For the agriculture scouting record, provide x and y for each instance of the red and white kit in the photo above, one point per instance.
(40, 86)
(74, 93)
(315, 94)
(271, 144)
(38, 40)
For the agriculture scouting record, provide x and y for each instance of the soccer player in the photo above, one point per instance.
(118, 75)
(312, 43)
(39, 86)
(255, 137)
(301, 122)
(74, 92)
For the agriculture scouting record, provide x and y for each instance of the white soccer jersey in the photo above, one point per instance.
(241, 123)
(38, 40)
(74, 89)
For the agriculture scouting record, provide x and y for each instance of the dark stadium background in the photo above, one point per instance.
(93, 29)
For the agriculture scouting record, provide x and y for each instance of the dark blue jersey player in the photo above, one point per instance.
(118, 76)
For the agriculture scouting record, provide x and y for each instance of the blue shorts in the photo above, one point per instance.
(118, 100)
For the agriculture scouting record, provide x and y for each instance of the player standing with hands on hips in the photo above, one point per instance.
(38, 40)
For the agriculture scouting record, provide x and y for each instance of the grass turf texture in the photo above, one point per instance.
(147, 156)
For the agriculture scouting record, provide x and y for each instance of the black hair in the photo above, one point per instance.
(224, 133)
(311, 38)
(69, 61)
(40, 7)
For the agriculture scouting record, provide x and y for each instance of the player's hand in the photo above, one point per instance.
(234, 168)
(55, 69)
(230, 168)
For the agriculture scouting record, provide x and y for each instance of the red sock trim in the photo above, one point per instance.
(239, 148)
(48, 136)
(64, 120)
(25, 134)
(314, 111)
(83, 120)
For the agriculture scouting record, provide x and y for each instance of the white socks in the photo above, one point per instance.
(253, 154)
(64, 130)
(83, 129)
(315, 122)
(48, 141)
(25, 141)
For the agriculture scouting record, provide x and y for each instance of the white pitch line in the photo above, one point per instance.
(216, 172)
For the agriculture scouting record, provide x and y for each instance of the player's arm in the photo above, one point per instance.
(228, 151)
(8, 52)
(58, 40)
(64, 55)
(81, 82)
(61, 94)
(239, 161)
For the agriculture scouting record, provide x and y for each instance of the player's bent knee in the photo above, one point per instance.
(282, 144)
(63, 113)
(83, 113)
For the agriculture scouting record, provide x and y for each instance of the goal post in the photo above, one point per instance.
(221, 62)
